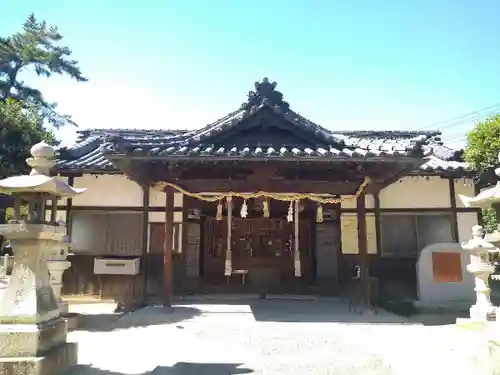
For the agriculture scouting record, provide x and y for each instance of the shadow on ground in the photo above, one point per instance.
(302, 311)
(331, 310)
(180, 368)
(147, 316)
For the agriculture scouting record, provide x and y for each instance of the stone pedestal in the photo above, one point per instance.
(483, 309)
(32, 333)
(56, 270)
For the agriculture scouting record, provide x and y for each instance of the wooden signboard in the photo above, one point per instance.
(447, 267)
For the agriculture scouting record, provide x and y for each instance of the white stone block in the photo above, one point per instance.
(433, 293)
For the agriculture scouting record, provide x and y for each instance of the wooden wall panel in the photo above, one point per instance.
(124, 234)
(89, 232)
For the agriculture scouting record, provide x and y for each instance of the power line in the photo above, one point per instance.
(455, 121)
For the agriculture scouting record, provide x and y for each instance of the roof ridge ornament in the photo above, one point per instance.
(266, 94)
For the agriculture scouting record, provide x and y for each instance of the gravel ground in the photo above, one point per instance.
(271, 337)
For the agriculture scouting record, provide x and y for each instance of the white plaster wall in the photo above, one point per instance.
(157, 217)
(349, 233)
(157, 198)
(349, 201)
(416, 192)
(116, 190)
(108, 190)
(466, 220)
(463, 186)
(409, 192)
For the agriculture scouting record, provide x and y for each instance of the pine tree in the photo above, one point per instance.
(19, 130)
(24, 111)
(35, 47)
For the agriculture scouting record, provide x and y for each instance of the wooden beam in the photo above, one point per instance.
(477, 190)
(186, 204)
(167, 251)
(144, 241)
(363, 247)
(413, 210)
(69, 211)
(378, 233)
(53, 211)
(453, 205)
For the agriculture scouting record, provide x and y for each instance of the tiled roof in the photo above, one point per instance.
(92, 146)
(88, 154)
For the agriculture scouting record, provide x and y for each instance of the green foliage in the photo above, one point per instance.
(490, 221)
(35, 47)
(481, 153)
(483, 145)
(19, 131)
(10, 213)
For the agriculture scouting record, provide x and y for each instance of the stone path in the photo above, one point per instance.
(269, 337)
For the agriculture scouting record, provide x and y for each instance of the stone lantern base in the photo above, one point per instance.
(55, 361)
(32, 333)
(483, 314)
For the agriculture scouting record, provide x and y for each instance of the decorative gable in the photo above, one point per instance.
(266, 120)
(265, 128)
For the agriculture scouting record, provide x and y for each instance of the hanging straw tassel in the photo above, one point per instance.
(244, 209)
(319, 213)
(265, 208)
(219, 211)
(289, 216)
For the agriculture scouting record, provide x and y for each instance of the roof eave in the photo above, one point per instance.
(252, 158)
(80, 171)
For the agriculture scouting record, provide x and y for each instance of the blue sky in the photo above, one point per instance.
(356, 64)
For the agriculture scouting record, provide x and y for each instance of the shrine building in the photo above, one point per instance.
(263, 200)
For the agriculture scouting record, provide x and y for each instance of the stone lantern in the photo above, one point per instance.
(32, 332)
(480, 265)
(481, 268)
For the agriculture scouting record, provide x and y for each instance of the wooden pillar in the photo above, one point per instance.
(363, 246)
(167, 250)
(69, 208)
(228, 264)
(453, 204)
(477, 190)
(296, 240)
(53, 211)
(378, 233)
(144, 241)
(186, 204)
